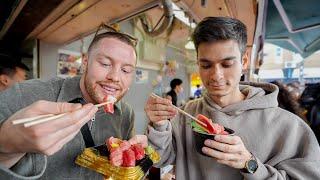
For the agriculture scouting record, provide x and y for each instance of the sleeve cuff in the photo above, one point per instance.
(160, 136)
(163, 127)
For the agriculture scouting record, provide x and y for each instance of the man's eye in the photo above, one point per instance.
(105, 65)
(226, 65)
(127, 70)
(205, 66)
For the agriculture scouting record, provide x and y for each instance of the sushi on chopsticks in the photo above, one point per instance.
(109, 107)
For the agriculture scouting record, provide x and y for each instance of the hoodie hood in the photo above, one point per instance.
(258, 96)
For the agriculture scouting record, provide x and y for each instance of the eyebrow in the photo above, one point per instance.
(228, 58)
(108, 57)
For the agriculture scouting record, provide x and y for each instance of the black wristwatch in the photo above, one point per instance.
(251, 166)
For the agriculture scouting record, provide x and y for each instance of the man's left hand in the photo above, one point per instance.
(139, 139)
(228, 150)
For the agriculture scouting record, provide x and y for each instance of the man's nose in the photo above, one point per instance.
(216, 73)
(114, 74)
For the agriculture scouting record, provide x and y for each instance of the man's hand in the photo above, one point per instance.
(228, 150)
(159, 109)
(46, 138)
(139, 139)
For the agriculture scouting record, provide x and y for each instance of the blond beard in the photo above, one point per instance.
(90, 90)
(94, 96)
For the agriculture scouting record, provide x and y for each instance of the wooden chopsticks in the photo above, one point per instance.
(47, 117)
(183, 112)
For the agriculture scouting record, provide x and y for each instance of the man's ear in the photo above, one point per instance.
(245, 61)
(4, 79)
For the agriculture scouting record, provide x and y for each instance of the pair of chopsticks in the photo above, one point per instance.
(183, 112)
(27, 122)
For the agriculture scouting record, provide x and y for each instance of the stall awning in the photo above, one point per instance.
(294, 25)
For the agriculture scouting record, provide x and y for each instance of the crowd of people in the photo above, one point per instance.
(269, 143)
(306, 105)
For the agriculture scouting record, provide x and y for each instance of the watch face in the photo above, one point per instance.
(252, 166)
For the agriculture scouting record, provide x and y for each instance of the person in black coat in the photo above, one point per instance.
(176, 88)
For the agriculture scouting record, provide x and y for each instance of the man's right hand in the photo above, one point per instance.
(46, 138)
(159, 110)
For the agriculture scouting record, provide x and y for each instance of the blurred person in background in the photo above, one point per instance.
(198, 92)
(176, 88)
(294, 89)
(11, 72)
(287, 100)
(310, 101)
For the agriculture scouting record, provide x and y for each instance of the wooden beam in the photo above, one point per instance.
(64, 7)
(12, 17)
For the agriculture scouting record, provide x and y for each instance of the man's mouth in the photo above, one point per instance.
(109, 89)
(220, 85)
(216, 85)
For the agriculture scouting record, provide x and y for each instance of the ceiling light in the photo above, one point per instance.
(190, 45)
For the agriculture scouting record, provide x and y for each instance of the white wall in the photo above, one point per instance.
(48, 59)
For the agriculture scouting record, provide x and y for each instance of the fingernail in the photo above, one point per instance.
(204, 149)
(216, 137)
(206, 142)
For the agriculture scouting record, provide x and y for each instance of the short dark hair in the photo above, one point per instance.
(120, 36)
(212, 29)
(8, 65)
(175, 82)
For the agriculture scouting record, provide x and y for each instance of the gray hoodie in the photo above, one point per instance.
(283, 144)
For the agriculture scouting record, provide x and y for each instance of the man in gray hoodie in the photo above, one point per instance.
(48, 150)
(269, 142)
